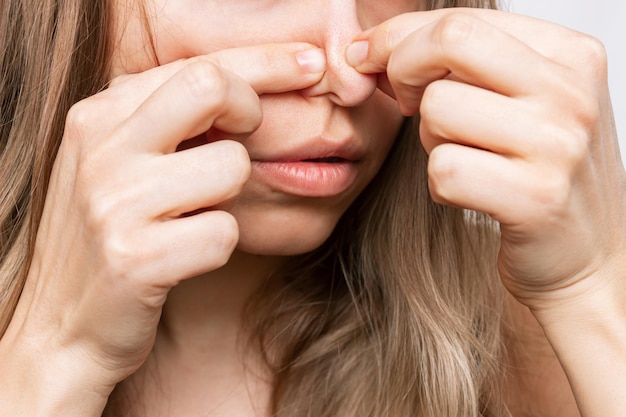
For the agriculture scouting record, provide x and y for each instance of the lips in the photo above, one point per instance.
(318, 167)
(318, 149)
(332, 159)
(306, 179)
(315, 167)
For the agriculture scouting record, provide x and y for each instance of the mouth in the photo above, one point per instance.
(330, 160)
(315, 167)
(313, 177)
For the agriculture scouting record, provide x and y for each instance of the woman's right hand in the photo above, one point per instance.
(116, 233)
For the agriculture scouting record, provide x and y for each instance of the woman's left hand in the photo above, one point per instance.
(516, 116)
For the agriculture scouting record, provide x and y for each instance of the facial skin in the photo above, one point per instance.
(344, 115)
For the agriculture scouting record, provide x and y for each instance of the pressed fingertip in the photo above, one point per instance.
(312, 60)
(356, 53)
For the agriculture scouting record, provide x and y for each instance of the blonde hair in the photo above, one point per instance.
(52, 54)
(397, 314)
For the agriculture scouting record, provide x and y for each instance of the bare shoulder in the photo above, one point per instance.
(536, 384)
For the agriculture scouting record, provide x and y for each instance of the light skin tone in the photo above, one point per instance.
(515, 115)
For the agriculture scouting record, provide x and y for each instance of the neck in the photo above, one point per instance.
(203, 309)
(198, 353)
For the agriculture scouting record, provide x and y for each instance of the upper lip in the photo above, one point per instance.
(318, 147)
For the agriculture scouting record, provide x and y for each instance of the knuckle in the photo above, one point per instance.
(100, 209)
(430, 101)
(441, 173)
(454, 30)
(579, 98)
(433, 108)
(576, 102)
(225, 237)
(234, 156)
(269, 59)
(205, 82)
(587, 115)
(390, 37)
(578, 149)
(573, 147)
(552, 196)
(79, 119)
(592, 53)
(426, 137)
(121, 254)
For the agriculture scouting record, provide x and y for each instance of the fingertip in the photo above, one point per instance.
(356, 53)
(312, 60)
(365, 57)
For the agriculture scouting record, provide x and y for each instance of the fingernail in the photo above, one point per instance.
(312, 60)
(357, 53)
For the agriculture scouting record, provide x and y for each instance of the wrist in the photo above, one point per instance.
(42, 381)
(587, 329)
(597, 302)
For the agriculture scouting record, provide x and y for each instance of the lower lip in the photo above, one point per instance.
(307, 179)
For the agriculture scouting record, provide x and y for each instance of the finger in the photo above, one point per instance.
(200, 96)
(452, 111)
(474, 52)
(190, 246)
(198, 178)
(272, 68)
(373, 54)
(479, 180)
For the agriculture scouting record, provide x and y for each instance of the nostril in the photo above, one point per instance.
(343, 84)
(336, 29)
(354, 88)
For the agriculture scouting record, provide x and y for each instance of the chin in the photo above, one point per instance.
(280, 231)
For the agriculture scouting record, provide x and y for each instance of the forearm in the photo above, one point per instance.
(589, 337)
(35, 383)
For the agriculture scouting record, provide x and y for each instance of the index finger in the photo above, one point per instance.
(269, 68)
(273, 68)
(370, 51)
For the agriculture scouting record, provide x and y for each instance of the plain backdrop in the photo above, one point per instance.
(604, 19)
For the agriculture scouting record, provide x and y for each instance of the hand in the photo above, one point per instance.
(515, 114)
(127, 217)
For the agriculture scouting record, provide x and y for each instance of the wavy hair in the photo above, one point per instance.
(397, 314)
(52, 55)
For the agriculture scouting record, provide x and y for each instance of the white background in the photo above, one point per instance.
(604, 19)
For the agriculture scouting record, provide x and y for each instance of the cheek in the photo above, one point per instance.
(374, 12)
(275, 225)
(384, 121)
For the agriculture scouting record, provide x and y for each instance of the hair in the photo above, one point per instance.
(397, 314)
(52, 55)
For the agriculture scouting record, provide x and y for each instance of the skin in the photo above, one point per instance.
(515, 114)
(563, 225)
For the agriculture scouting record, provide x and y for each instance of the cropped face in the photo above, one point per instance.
(316, 148)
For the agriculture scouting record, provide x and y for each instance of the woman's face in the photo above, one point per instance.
(293, 199)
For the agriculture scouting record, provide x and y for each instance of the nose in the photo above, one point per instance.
(342, 84)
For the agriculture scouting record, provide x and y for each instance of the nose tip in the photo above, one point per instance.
(341, 83)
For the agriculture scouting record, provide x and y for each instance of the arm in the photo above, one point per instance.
(39, 383)
(119, 194)
(535, 382)
(588, 334)
(516, 117)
